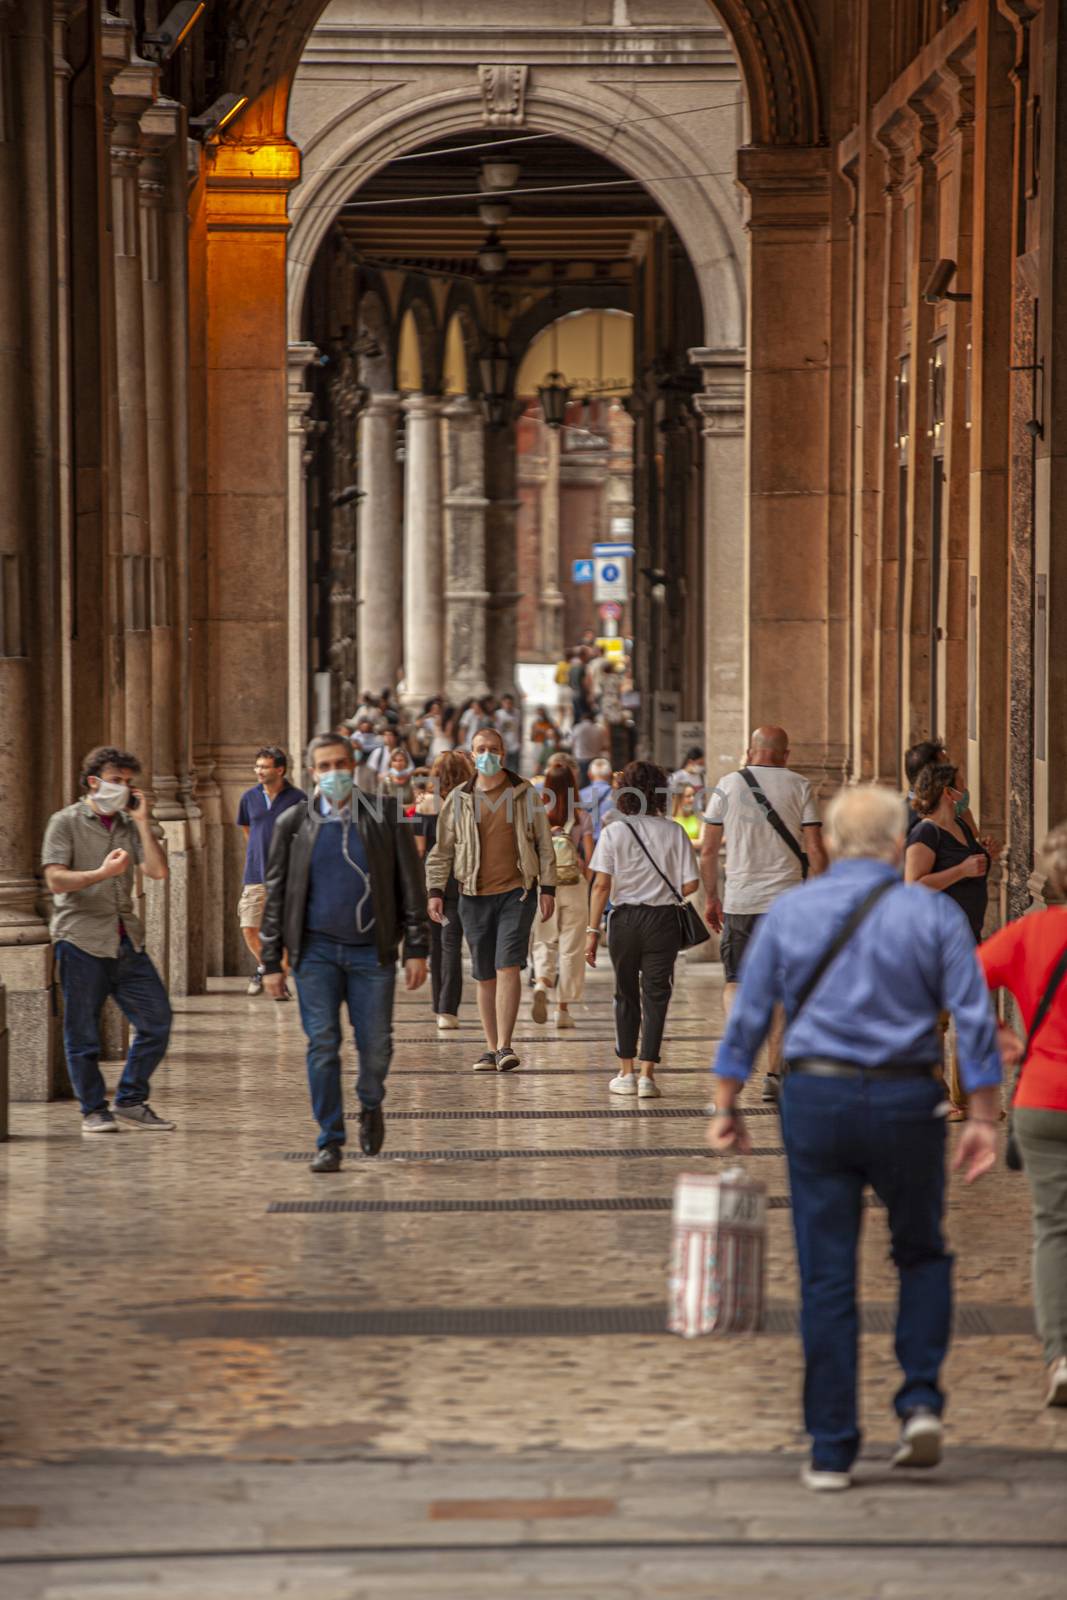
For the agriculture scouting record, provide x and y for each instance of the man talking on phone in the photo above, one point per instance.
(88, 858)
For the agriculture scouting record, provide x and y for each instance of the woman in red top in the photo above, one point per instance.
(1020, 958)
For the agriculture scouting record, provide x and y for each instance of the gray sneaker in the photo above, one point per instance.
(99, 1122)
(255, 983)
(506, 1059)
(143, 1116)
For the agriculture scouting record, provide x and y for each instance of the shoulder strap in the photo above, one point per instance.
(1045, 1004)
(838, 943)
(774, 819)
(680, 898)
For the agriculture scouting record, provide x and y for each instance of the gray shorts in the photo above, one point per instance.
(497, 927)
(737, 931)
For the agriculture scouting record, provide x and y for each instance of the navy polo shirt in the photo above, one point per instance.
(259, 816)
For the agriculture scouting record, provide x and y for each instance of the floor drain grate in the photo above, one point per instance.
(597, 1113)
(511, 1322)
(534, 1072)
(575, 1153)
(525, 1205)
(548, 1037)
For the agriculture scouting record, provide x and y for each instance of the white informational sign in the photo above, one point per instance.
(611, 581)
(689, 736)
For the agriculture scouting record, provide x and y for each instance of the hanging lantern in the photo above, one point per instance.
(494, 366)
(554, 394)
(492, 257)
(498, 175)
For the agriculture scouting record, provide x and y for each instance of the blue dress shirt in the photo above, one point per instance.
(881, 998)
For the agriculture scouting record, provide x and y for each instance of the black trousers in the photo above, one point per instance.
(446, 959)
(644, 944)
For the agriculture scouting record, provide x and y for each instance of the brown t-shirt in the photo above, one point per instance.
(499, 867)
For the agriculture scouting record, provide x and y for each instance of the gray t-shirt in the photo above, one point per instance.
(636, 881)
(90, 918)
(759, 864)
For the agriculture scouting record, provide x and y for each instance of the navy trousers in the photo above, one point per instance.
(841, 1136)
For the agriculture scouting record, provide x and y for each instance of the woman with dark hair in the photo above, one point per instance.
(643, 861)
(559, 943)
(450, 769)
(943, 854)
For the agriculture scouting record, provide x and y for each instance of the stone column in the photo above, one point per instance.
(721, 408)
(299, 403)
(551, 594)
(502, 556)
(796, 591)
(424, 572)
(466, 595)
(381, 560)
(25, 951)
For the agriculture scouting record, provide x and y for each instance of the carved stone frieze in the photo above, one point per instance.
(503, 95)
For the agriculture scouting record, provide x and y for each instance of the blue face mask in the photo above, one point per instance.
(488, 763)
(963, 803)
(337, 787)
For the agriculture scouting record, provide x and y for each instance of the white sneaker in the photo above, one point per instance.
(564, 1019)
(539, 1008)
(825, 1482)
(648, 1089)
(1057, 1383)
(920, 1440)
(444, 1023)
(623, 1083)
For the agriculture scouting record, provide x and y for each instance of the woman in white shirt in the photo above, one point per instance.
(642, 857)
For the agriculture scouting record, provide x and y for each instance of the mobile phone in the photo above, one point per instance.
(133, 803)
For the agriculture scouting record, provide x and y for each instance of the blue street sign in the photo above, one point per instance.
(626, 551)
(611, 572)
(581, 571)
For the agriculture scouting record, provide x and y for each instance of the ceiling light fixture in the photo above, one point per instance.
(499, 175)
(494, 213)
(494, 367)
(492, 257)
(554, 395)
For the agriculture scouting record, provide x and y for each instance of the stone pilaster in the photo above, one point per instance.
(133, 90)
(25, 952)
(298, 404)
(502, 557)
(424, 572)
(466, 594)
(551, 631)
(796, 646)
(721, 408)
(381, 562)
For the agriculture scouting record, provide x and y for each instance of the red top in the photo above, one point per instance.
(1020, 958)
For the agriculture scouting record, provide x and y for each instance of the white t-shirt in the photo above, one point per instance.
(636, 881)
(759, 864)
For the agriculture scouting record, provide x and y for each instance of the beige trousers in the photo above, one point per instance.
(559, 943)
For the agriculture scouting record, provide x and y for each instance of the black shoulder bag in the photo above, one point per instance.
(775, 821)
(691, 929)
(1013, 1156)
(838, 943)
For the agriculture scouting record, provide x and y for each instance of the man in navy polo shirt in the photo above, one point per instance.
(259, 810)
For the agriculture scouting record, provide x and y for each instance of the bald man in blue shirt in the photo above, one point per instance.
(863, 1104)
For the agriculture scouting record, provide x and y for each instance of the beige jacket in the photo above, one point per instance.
(458, 847)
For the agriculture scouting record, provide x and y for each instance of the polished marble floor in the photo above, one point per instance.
(168, 1300)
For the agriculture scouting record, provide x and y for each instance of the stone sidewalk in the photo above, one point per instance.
(573, 1525)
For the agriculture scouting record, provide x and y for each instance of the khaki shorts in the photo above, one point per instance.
(252, 904)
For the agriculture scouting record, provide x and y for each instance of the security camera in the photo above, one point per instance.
(937, 285)
(210, 123)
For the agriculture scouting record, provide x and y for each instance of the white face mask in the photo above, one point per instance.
(111, 797)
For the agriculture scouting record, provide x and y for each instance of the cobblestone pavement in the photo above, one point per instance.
(468, 1352)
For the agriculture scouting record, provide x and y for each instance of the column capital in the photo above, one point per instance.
(299, 357)
(721, 405)
(161, 123)
(382, 403)
(462, 409)
(789, 186)
(422, 405)
(247, 185)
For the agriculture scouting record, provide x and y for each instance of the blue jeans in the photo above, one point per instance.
(330, 975)
(842, 1134)
(135, 985)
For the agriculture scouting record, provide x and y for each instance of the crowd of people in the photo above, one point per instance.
(421, 835)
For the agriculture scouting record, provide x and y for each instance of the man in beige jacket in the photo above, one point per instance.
(493, 836)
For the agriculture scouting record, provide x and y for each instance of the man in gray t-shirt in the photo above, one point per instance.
(765, 855)
(88, 858)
